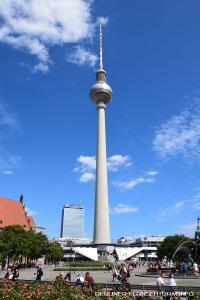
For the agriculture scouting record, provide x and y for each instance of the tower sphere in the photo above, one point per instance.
(101, 91)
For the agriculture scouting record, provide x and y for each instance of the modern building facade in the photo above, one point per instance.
(72, 225)
(125, 240)
(101, 94)
(149, 241)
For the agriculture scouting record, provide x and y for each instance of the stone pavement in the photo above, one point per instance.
(100, 276)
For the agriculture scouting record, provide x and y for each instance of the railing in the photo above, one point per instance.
(136, 287)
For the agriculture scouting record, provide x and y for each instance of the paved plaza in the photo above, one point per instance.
(100, 276)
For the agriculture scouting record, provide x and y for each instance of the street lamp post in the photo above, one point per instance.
(70, 244)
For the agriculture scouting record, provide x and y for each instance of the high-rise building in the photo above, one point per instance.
(72, 224)
(101, 94)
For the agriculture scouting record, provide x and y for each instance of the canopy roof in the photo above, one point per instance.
(88, 252)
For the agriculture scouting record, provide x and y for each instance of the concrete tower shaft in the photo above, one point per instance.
(101, 94)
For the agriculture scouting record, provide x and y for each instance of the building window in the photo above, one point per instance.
(1, 222)
(24, 226)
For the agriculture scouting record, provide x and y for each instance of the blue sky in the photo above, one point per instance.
(48, 58)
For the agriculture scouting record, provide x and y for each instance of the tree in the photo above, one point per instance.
(16, 243)
(38, 245)
(12, 242)
(54, 252)
(170, 245)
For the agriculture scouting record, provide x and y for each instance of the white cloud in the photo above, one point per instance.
(152, 173)
(9, 124)
(102, 20)
(186, 229)
(34, 26)
(41, 67)
(8, 163)
(7, 118)
(187, 205)
(86, 177)
(173, 210)
(31, 212)
(118, 160)
(130, 184)
(7, 172)
(180, 135)
(87, 165)
(123, 209)
(81, 56)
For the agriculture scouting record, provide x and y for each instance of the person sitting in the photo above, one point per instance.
(89, 280)
(8, 275)
(68, 277)
(79, 280)
(60, 277)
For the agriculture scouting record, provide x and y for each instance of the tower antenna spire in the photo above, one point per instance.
(100, 48)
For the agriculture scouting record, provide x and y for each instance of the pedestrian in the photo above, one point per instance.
(195, 268)
(115, 273)
(171, 285)
(160, 284)
(79, 280)
(124, 276)
(60, 277)
(15, 274)
(39, 273)
(68, 277)
(89, 280)
(171, 281)
(8, 275)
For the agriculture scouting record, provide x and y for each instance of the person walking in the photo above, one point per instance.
(160, 284)
(195, 269)
(124, 276)
(39, 273)
(115, 273)
(171, 281)
(171, 285)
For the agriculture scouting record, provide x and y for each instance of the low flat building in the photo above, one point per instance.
(148, 241)
(125, 240)
(74, 241)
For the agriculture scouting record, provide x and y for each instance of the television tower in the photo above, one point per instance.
(101, 94)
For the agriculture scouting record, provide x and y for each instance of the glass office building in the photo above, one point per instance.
(72, 221)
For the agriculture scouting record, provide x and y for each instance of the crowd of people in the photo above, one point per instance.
(122, 272)
(80, 281)
(185, 267)
(12, 273)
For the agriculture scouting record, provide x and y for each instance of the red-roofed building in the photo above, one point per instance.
(12, 212)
